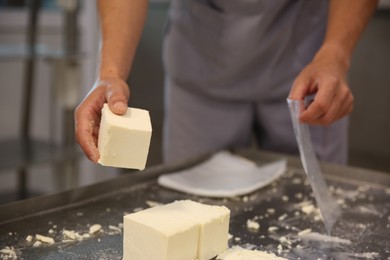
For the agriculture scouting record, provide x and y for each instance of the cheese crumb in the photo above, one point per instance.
(29, 238)
(114, 228)
(298, 195)
(252, 225)
(272, 229)
(271, 211)
(37, 244)
(282, 217)
(8, 253)
(308, 209)
(71, 234)
(304, 232)
(94, 228)
(44, 239)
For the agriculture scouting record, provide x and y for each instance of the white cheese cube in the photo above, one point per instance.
(183, 230)
(160, 233)
(124, 139)
(213, 222)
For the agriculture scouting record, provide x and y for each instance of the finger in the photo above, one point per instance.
(302, 86)
(341, 106)
(347, 106)
(322, 102)
(84, 127)
(117, 98)
(331, 114)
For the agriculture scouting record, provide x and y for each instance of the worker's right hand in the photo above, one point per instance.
(113, 91)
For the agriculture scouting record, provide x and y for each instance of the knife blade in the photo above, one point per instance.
(328, 207)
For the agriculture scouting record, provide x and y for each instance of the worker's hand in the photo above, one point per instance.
(113, 91)
(325, 76)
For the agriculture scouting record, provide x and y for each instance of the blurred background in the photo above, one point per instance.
(48, 59)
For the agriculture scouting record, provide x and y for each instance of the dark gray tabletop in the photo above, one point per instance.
(363, 232)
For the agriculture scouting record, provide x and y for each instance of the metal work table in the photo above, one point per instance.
(364, 229)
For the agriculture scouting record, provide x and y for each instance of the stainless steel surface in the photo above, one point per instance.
(365, 221)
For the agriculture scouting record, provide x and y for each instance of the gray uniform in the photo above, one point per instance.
(230, 65)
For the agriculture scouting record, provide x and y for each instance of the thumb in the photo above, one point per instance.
(117, 98)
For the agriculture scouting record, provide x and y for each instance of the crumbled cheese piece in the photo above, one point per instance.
(71, 234)
(304, 232)
(272, 229)
(37, 244)
(8, 253)
(285, 198)
(44, 239)
(285, 241)
(86, 235)
(51, 231)
(318, 218)
(308, 209)
(282, 217)
(29, 238)
(298, 195)
(252, 225)
(94, 228)
(114, 228)
(271, 211)
(280, 249)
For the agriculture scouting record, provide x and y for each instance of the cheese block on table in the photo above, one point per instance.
(213, 223)
(124, 139)
(182, 230)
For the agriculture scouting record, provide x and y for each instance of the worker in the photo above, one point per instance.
(230, 65)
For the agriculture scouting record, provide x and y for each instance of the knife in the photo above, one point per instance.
(328, 207)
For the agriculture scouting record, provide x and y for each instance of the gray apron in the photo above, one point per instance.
(229, 67)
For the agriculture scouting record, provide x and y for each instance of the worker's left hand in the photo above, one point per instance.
(325, 76)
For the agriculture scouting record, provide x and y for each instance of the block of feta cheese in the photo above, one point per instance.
(124, 139)
(182, 230)
(213, 224)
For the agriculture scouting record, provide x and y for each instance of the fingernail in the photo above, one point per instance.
(119, 105)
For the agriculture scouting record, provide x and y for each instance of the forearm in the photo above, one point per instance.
(121, 24)
(346, 22)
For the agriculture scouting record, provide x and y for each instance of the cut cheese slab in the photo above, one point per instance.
(124, 139)
(213, 222)
(182, 230)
